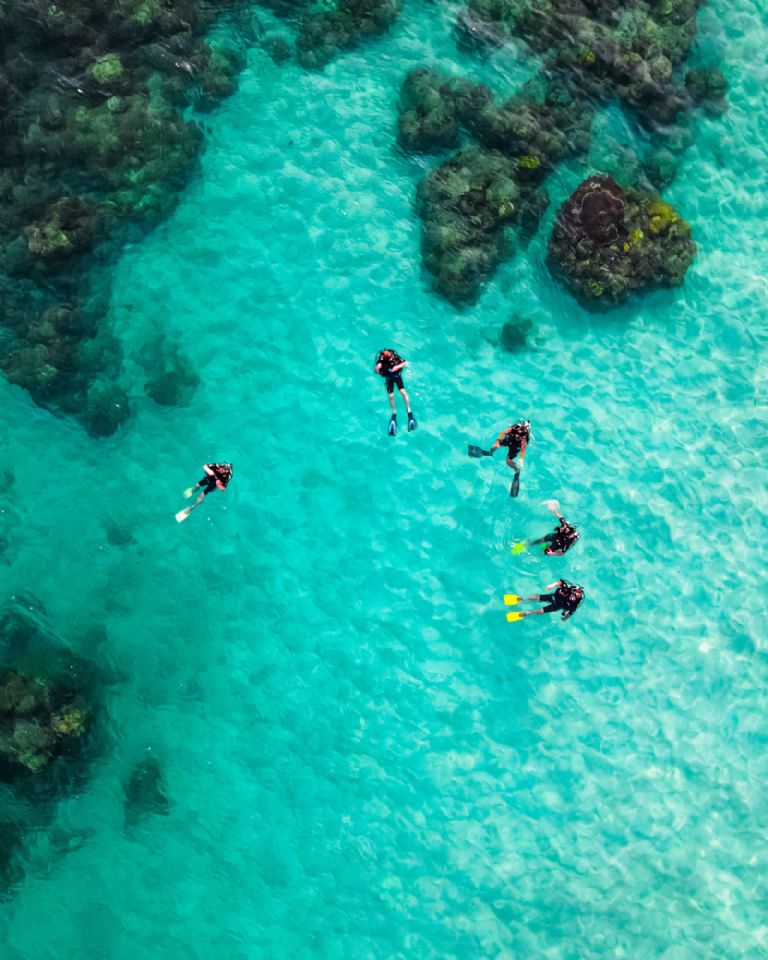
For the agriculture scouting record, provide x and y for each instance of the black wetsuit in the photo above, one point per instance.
(514, 438)
(567, 597)
(220, 473)
(563, 538)
(386, 364)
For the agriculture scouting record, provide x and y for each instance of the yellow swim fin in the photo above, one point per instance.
(514, 615)
(518, 547)
(511, 598)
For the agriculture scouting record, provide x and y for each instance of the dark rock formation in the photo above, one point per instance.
(326, 28)
(609, 242)
(515, 333)
(93, 145)
(38, 720)
(464, 205)
(144, 792)
(427, 113)
(622, 48)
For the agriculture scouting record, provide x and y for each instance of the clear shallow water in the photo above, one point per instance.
(364, 759)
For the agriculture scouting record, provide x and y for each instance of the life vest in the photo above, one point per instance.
(570, 595)
(565, 535)
(221, 472)
(516, 435)
(388, 362)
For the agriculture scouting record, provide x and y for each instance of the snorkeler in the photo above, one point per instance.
(562, 538)
(515, 438)
(566, 597)
(388, 365)
(216, 477)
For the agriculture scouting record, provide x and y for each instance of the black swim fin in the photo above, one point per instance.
(411, 421)
(392, 429)
(474, 451)
(515, 488)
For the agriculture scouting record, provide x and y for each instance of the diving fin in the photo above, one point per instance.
(518, 547)
(511, 599)
(515, 488)
(189, 492)
(183, 514)
(392, 428)
(411, 422)
(514, 615)
(474, 451)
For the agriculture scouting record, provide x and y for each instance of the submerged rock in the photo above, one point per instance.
(38, 719)
(515, 333)
(144, 792)
(171, 381)
(464, 205)
(70, 226)
(609, 242)
(623, 48)
(94, 148)
(427, 112)
(327, 27)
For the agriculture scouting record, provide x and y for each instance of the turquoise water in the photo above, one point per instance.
(364, 760)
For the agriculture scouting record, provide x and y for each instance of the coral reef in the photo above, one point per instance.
(609, 242)
(326, 27)
(93, 144)
(611, 48)
(707, 88)
(464, 205)
(427, 113)
(49, 733)
(40, 718)
(592, 51)
(631, 51)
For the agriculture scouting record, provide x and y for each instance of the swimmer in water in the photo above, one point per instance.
(216, 476)
(560, 541)
(566, 598)
(515, 438)
(388, 365)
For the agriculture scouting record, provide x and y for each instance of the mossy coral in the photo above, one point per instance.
(661, 215)
(609, 242)
(107, 67)
(627, 49)
(37, 717)
(464, 205)
(94, 138)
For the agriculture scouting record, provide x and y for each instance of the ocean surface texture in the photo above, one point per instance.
(362, 759)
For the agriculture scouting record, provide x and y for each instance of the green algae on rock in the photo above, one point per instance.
(326, 27)
(70, 226)
(37, 719)
(622, 48)
(464, 206)
(609, 242)
(427, 112)
(468, 201)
